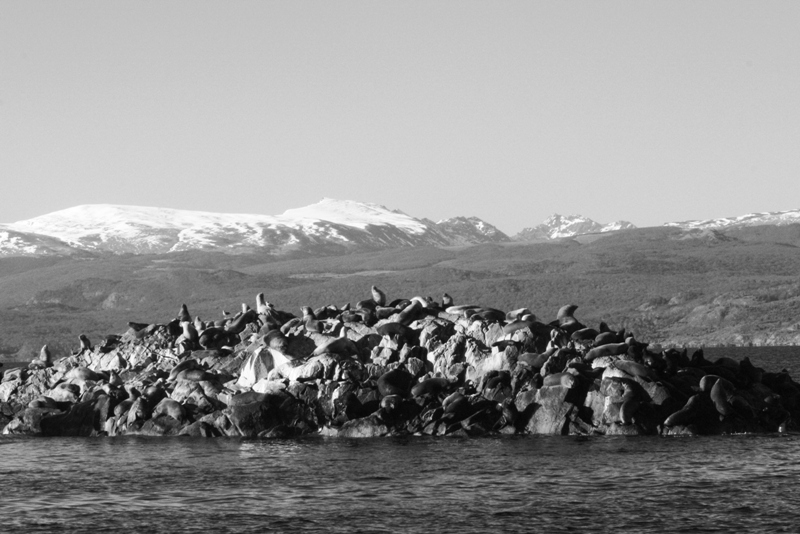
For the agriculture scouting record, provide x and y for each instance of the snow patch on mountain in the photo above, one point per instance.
(559, 226)
(777, 218)
(470, 230)
(354, 214)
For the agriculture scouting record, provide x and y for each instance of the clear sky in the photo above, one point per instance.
(509, 111)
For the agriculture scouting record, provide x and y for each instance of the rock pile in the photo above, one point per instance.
(411, 366)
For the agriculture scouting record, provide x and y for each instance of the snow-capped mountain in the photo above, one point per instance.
(468, 230)
(777, 218)
(342, 224)
(558, 226)
(134, 229)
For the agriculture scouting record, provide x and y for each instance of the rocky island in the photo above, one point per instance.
(376, 368)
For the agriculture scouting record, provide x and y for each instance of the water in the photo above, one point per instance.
(770, 358)
(547, 484)
(413, 484)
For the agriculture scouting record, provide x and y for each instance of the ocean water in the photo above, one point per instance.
(411, 484)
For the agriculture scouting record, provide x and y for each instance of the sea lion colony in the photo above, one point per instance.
(410, 366)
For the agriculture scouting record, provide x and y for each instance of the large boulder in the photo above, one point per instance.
(552, 411)
(251, 419)
(86, 418)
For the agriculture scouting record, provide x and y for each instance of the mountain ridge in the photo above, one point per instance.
(330, 225)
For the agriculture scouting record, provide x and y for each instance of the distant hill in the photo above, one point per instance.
(732, 286)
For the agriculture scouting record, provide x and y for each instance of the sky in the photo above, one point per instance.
(509, 111)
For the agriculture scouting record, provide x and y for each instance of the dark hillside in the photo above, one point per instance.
(700, 287)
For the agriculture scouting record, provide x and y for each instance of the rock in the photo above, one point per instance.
(65, 392)
(552, 412)
(595, 404)
(480, 363)
(251, 419)
(29, 421)
(557, 362)
(161, 425)
(269, 386)
(83, 419)
(371, 426)
(7, 390)
(199, 429)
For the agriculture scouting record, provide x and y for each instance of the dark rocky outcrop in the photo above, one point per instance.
(418, 369)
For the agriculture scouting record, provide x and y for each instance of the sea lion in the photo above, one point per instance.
(188, 339)
(367, 315)
(139, 411)
(409, 313)
(275, 339)
(630, 404)
(262, 306)
(698, 359)
(126, 403)
(514, 315)
(424, 302)
(490, 315)
(533, 360)
(85, 343)
(493, 379)
(340, 345)
(391, 403)
(174, 328)
(82, 374)
(194, 375)
(609, 349)
(291, 324)
(750, 373)
(310, 321)
(396, 330)
(217, 338)
(455, 403)
(459, 310)
(532, 324)
(384, 312)
(430, 386)
(238, 325)
(171, 408)
(565, 319)
(625, 369)
(378, 296)
(447, 301)
(721, 393)
(605, 338)
(114, 379)
(395, 382)
(367, 304)
(584, 335)
(183, 315)
(183, 366)
(44, 360)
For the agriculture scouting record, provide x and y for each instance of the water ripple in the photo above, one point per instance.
(548, 484)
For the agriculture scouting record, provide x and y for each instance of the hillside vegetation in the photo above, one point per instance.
(664, 284)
